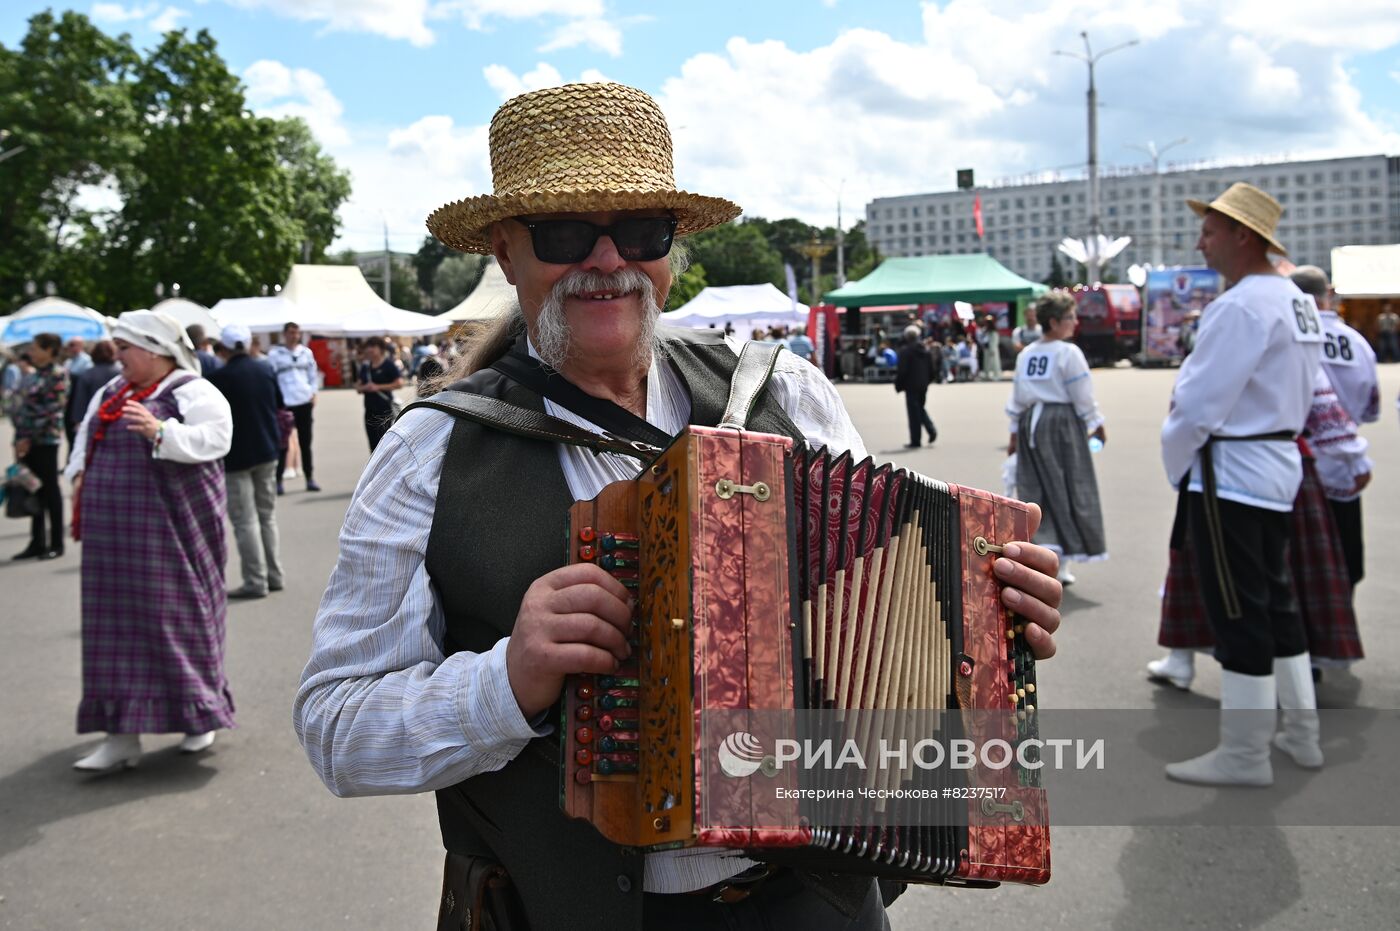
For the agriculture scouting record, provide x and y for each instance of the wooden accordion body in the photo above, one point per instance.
(770, 578)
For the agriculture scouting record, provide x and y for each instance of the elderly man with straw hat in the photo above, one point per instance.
(449, 623)
(1241, 399)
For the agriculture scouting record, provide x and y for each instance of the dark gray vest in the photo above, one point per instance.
(501, 522)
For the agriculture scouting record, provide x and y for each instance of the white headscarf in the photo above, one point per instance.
(158, 333)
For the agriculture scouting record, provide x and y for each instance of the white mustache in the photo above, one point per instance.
(624, 281)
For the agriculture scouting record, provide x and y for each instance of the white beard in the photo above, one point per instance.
(553, 336)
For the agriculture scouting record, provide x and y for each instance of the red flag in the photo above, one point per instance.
(977, 215)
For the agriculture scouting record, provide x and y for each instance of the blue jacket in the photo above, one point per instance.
(252, 392)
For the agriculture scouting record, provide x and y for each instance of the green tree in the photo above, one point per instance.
(207, 202)
(318, 186)
(687, 286)
(456, 277)
(68, 120)
(426, 261)
(736, 253)
(1057, 277)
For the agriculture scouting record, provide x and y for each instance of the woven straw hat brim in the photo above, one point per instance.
(1200, 207)
(465, 224)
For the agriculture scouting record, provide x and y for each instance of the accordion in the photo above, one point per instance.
(771, 580)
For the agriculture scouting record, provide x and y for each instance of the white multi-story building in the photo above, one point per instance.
(1329, 202)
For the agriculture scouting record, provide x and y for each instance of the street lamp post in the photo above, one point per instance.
(1090, 59)
(1156, 155)
(816, 250)
(840, 240)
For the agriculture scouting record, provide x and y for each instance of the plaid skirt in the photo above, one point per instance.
(1320, 583)
(1055, 470)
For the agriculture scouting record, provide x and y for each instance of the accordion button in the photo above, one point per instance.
(584, 735)
(583, 757)
(584, 712)
(584, 692)
(583, 777)
(585, 553)
(965, 668)
(587, 535)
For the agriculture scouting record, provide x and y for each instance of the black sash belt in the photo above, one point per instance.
(1211, 503)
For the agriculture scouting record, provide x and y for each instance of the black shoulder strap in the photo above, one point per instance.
(751, 375)
(544, 381)
(521, 421)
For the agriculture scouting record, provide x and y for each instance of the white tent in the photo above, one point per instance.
(749, 304)
(390, 321)
(489, 299)
(1366, 271)
(269, 315)
(53, 315)
(190, 314)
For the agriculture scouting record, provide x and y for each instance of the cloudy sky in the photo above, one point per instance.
(783, 105)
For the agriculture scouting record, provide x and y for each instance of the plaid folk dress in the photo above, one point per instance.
(153, 595)
(1320, 584)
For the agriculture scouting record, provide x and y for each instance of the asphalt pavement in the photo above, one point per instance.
(245, 836)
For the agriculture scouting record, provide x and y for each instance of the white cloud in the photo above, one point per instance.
(777, 129)
(168, 19)
(393, 19)
(593, 33)
(1353, 26)
(274, 90)
(507, 83)
(584, 22)
(476, 13)
(116, 13)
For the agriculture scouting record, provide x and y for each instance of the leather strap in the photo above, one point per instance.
(524, 422)
(544, 381)
(756, 364)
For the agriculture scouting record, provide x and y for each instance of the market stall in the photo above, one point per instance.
(1367, 279)
(745, 306)
(52, 315)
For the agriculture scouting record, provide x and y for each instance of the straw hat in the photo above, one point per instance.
(577, 149)
(1250, 206)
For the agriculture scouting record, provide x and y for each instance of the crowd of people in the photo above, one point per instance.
(455, 669)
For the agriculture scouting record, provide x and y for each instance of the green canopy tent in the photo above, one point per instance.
(936, 279)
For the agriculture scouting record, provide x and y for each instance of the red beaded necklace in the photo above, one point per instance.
(110, 410)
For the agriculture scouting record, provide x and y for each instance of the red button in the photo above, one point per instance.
(583, 777)
(584, 692)
(587, 535)
(584, 713)
(583, 757)
(584, 735)
(585, 553)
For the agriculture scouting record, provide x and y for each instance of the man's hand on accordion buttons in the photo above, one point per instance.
(572, 620)
(1032, 591)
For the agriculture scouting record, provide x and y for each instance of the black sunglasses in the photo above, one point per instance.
(564, 242)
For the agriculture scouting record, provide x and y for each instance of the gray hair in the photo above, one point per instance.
(1311, 280)
(912, 333)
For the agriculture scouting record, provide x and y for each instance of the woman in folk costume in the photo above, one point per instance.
(1053, 413)
(149, 508)
(1330, 447)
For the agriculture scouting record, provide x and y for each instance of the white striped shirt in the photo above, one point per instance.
(380, 709)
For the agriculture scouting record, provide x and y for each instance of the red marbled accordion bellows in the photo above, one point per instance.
(775, 579)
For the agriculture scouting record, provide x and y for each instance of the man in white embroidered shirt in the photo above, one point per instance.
(448, 625)
(1228, 443)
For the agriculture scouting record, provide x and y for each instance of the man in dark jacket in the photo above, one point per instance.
(914, 373)
(250, 468)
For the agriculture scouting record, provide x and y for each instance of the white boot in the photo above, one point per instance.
(1299, 736)
(195, 743)
(1064, 576)
(1247, 717)
(1178, 667)
(116, 751)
